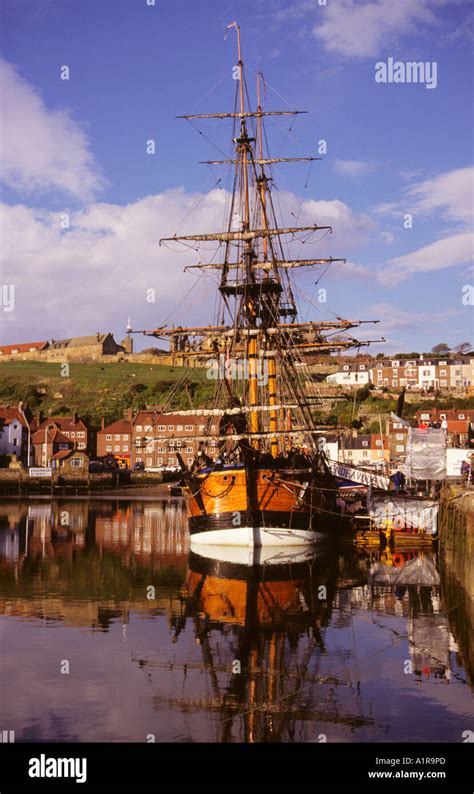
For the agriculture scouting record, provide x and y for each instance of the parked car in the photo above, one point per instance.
(96, 467)
(138, 466)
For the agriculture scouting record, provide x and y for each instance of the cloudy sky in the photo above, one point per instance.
(75, 152)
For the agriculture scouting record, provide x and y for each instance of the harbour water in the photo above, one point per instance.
(111, 629)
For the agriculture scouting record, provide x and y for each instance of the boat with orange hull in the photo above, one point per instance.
(260, 476)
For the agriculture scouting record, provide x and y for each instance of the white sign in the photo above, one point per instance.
(40, 472)
(357, 475)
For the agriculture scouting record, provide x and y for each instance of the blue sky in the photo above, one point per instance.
(78, 146)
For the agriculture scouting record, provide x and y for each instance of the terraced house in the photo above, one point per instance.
(157, 438)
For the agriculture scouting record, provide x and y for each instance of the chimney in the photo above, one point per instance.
(102, 423)
(39, 417)
(74, 417)
(128, 415)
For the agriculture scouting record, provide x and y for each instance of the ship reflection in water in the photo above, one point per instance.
(225, 645)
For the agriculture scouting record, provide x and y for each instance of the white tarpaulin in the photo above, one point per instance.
(401, 513)
(425, 454)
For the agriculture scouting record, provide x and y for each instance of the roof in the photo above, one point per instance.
(23, 347)
(8, 413)
(81, 341)
(66, 453)
(355, 442)
(63, 423)
(54, 436)
(120, 426)
(157, 418)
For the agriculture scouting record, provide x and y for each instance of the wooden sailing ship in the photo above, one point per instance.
(262, 477)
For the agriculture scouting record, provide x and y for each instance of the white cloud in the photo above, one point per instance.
(448, 252)
(352, 168)
(452, 193)
(356, 29)
(41, 149)
(387, 237)
(96, 273)
(394, 318)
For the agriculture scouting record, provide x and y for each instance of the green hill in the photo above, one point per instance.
(96, 390)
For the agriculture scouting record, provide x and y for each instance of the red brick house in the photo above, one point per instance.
(116, 439)
(72, 427)
(157, 438)
(47, 441)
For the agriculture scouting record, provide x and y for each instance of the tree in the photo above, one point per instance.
(463, 347)
(441, 348)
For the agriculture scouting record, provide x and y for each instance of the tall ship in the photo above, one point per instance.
(261, 478)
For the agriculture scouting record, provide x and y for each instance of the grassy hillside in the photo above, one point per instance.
(96, 390)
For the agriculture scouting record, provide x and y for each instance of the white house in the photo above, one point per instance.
(351, 375)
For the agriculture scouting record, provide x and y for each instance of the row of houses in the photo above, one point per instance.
(155, 439)
(418, 374)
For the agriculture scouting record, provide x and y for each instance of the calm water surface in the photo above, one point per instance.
(342, 646)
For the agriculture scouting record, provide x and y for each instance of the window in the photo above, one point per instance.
(170, 428)
(443, 383)
(161, 449)
(365, 443)
(443, 372)
(109, 448)
(171, 461)
(80, 434)
(378, 442)
(213, 428)
(149, 448)
(395, 382)
(461, 416)
(149, 461)
(148, 428)
(77, 463)
(442, 416)
(202, 428)
(139, 460)
(178, 443)
(138, 428)
(400, 448)
(81, 445)
(108, 437)
(188, 428)
(179, 428)
(426, 373)
(124, 436)
(395, 364)
(442, 364)
(395, 373)
(117, 437)
(364, 454)
(117, 448)
(124, 447)
(159, 461)
(362, 366)
(424, 416)
(399, 436)
(66, 433)
(349, 453)
(189, 449)
(190, 460)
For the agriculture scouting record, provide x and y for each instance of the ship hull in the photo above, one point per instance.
(260, 507)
